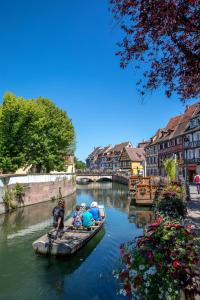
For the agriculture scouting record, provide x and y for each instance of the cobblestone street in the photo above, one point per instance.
(193, 207)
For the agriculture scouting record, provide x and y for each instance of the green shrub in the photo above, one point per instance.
(13, 204)
(172, 207)
(19, 192)
(8, 198)
(170, 168)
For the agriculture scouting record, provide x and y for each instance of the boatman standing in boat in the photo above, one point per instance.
(58, 216)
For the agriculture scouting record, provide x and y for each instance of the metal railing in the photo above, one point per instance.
(103, 172)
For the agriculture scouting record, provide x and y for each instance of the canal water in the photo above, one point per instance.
(86, 275)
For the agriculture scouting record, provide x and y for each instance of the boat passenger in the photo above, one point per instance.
(58, 215)
(87, 218)
(82, 207)
(77, 217)
(95, 211)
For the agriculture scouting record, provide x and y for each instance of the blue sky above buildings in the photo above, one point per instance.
(65, 50)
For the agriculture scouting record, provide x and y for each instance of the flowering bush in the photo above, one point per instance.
(160, 263)
(171, 206)
(175, 190)
(171, 203)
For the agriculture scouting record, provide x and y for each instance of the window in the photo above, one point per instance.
(197, 136)
(193, 123)
(179, 140)
(190, 154)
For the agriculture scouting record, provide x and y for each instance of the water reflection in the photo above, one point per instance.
(31, 218)
(67, 265)
(140, 215)
(110, 194)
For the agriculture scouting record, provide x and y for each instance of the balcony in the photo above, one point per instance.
(171, 149)
(193, 144)
(195, 160)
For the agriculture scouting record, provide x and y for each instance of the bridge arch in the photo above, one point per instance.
(104, 179)
(86, 178)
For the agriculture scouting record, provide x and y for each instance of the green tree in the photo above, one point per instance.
(34, 132)
(170, 168)
(79, 165)
(14, 125)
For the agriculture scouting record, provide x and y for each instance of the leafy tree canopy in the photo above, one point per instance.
(34, 132)
(164, 34)
(79, 165)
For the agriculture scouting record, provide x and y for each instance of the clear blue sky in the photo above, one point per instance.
(65, 50)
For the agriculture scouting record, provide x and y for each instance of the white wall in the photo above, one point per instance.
(37, 178)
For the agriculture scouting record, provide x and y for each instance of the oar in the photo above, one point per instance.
(51, 238)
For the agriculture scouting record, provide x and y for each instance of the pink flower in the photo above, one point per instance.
(123, 274)
(121, 252)
(127, 288)
(149, 254)
(176, 264)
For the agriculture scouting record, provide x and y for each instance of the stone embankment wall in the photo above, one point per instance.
(120, 179)
(38, 188)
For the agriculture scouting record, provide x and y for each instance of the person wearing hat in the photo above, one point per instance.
(82, 207)
(95, 211)
(58, 215)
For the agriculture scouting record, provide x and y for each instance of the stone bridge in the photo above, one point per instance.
(93, 177)
(84, 177)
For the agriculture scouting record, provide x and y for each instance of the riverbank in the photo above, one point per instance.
(35, 188)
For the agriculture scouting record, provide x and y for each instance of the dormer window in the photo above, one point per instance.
(193, 123)
(170, 131)
(163, 133)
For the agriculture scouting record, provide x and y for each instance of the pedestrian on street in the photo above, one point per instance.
(197, 182)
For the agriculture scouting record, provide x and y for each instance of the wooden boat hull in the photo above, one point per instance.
(71, 241)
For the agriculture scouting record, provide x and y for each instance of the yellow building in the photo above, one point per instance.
(137, 168)
(69, 165)
(133, 160)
